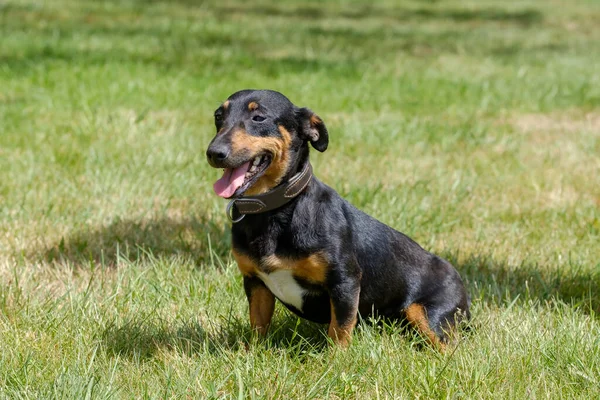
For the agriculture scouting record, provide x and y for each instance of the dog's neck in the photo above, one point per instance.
(298, 163)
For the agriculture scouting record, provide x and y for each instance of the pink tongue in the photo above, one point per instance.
(231, 180)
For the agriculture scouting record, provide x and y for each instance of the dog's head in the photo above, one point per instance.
(261, 138)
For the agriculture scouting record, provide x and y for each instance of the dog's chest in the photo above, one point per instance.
(284, 286)
(282, 275)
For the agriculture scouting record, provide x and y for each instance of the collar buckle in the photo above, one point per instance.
(229, 212)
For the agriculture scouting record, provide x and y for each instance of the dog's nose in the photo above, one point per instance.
(216, 154)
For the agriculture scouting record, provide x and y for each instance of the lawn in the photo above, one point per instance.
(472, 126)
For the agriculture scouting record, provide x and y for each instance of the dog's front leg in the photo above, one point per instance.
(343, 299)
(262, 304)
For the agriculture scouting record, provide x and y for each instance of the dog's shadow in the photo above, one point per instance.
(497, 282)
(140, 338)
(196, 238)
(489, 281)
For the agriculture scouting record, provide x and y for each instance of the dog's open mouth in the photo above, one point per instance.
(235, 181)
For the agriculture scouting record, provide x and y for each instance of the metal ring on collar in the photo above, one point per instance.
(229, 212)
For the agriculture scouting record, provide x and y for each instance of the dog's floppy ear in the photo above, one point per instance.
(312, 129)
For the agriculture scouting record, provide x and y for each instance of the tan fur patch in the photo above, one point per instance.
(252, 106)
(417, 317)
(312, 268)
(245, 264)
(226, 105)
(315, 120)
(278, 148)
(262, 304)
(341, 333)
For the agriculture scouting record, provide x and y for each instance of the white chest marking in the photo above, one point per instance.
(283, 285)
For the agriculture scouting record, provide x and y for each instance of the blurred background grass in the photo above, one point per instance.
(472, 126)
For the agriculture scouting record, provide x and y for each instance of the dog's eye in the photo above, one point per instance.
(258, 118)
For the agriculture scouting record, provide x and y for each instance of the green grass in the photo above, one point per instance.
(473, 127)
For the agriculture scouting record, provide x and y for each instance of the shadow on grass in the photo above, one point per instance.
(497, 282)
(193, 238)
(179, 48)
(316, 11)
(489, 281)
(484, 14)
(177, 55)
(142, 338)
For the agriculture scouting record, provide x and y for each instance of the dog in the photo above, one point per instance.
(296, 239)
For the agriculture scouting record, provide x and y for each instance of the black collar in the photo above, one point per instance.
(271, 200)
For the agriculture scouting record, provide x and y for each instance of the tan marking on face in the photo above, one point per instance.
(226, 105)
(245, 264)
(278, 148)
(315, 120)
(252, 106)
(312, 268)
(262, 304)
(416, 315)
(341, 333)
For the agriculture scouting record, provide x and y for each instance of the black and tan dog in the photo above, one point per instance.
(295, 239)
